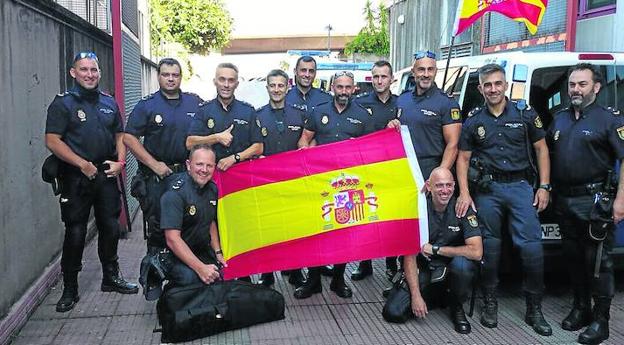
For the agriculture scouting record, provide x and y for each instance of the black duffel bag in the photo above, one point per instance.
(196, 311)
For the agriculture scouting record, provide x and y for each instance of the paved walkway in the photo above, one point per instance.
(110, 318)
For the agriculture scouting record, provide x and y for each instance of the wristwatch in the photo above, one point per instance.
(547, 187)
(237, 157)
(435, 249)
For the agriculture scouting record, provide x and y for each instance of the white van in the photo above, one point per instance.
(540, 78)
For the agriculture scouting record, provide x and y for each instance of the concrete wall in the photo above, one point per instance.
(39, 39)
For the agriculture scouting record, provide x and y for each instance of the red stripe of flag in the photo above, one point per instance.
(263, 171)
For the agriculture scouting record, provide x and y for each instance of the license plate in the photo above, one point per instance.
(550, 232)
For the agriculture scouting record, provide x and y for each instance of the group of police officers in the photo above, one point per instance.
(498, 151)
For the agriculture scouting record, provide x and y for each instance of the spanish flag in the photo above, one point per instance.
(341, 202)
(529, 12)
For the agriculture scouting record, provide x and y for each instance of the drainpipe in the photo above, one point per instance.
(571, 17)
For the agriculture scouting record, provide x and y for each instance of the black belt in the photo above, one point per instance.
(580, 190)
(507, 177)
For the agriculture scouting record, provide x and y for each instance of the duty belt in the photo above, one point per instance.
(579, 190)
(507, 177)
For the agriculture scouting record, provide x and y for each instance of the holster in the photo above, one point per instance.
(436, 266)
(138, 187)
(50, 173)
(600, 220)
(478, 180)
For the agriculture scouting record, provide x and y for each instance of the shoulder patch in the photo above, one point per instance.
(474, 111)
(177, 184)
(472, 220)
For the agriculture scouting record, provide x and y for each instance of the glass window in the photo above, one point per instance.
(594, 4)
(594, 8)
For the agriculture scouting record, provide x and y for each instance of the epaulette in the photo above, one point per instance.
(363, 94)
(521, 103)
(194, 95)
(615, 112)
(474, 111)
(63, 94)
(145, 98)
(247, 104)
(105, 94)
(177, 184)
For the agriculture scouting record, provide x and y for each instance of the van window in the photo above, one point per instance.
(454, 80)
(472, 97)
(549, 89)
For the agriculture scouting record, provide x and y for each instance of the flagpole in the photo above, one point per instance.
(448, 61)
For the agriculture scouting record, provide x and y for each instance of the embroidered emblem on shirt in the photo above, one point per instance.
(472, 220)
(454, 228)
(190, 114)
(538, 122)
(106, 110)
(356, 121)
(82, 115)
(324, 119)
(428, 112)
(513, 125)
(192, 210)
(370, 111)
(481, 132)
(158, 119)
(455, 115)
(240, 122)
(620, 132)
(210, 123)
(264, 132)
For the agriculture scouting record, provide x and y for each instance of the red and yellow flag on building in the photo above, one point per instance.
(529, 12)
(352, 200)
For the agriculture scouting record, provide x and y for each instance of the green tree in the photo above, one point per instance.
(373, 37)
(199, 25)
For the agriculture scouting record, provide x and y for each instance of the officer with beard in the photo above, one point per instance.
(592, 135)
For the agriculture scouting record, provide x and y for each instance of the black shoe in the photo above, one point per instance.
(68, 299)
(576, 319)
(595, 333)
(460, 322)
(113, 281)
(267, 279)
(296, 278)
(489, 315)
(340, 288)
(327, 270)
(534, 316)
(598, 330)
(365, 269)
(308, 289)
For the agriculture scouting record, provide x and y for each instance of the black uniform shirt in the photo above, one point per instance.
(445, 229)
(381, 112)
(280, 128)
(212, 118)
(425, 115)
(164, 125)
(501, 141)
(308, 101)
(191, 209)
(330, 126)
(87, 122)
(583, 150)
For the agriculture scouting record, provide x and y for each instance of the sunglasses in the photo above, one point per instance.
(423, 54)
(344, 73)
(86, 55)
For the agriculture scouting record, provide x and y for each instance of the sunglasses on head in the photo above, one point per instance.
(423, 54)
(86, 55)
(343, 73)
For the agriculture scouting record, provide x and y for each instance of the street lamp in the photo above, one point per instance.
(329, 28)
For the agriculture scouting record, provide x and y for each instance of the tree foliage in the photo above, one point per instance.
(373, 38)
(199, 25)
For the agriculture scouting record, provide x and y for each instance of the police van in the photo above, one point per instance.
(541, 79)
(362, 75)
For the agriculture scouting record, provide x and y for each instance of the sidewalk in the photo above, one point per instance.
(324, 319)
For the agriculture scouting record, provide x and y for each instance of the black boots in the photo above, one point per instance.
(365, 269)
(267, 279)
(458, 317)
(70, 297)
(580, 315)
(296, 278)
(534, 316)
(489, 315)
(598, 329)
(112, 280)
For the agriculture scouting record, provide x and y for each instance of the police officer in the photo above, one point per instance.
(586, 140)
(303, 95)
(331, 122)
(188, 209)
(225, 123)
(454, 243)
(381, 106)
(498, 135)
(433, 117)
(162, 119)
(84, 130)
(281, 127)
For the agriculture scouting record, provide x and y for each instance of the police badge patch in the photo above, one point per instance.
(192, 210)
(538, 122)
(455, 115)
(158, 119)
(472, 220)
(324, 119)
(82, 115)
(481, 132)
(210, 123)
(620, 132)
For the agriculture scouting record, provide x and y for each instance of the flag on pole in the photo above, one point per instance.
(529, 12)
(351, 200)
